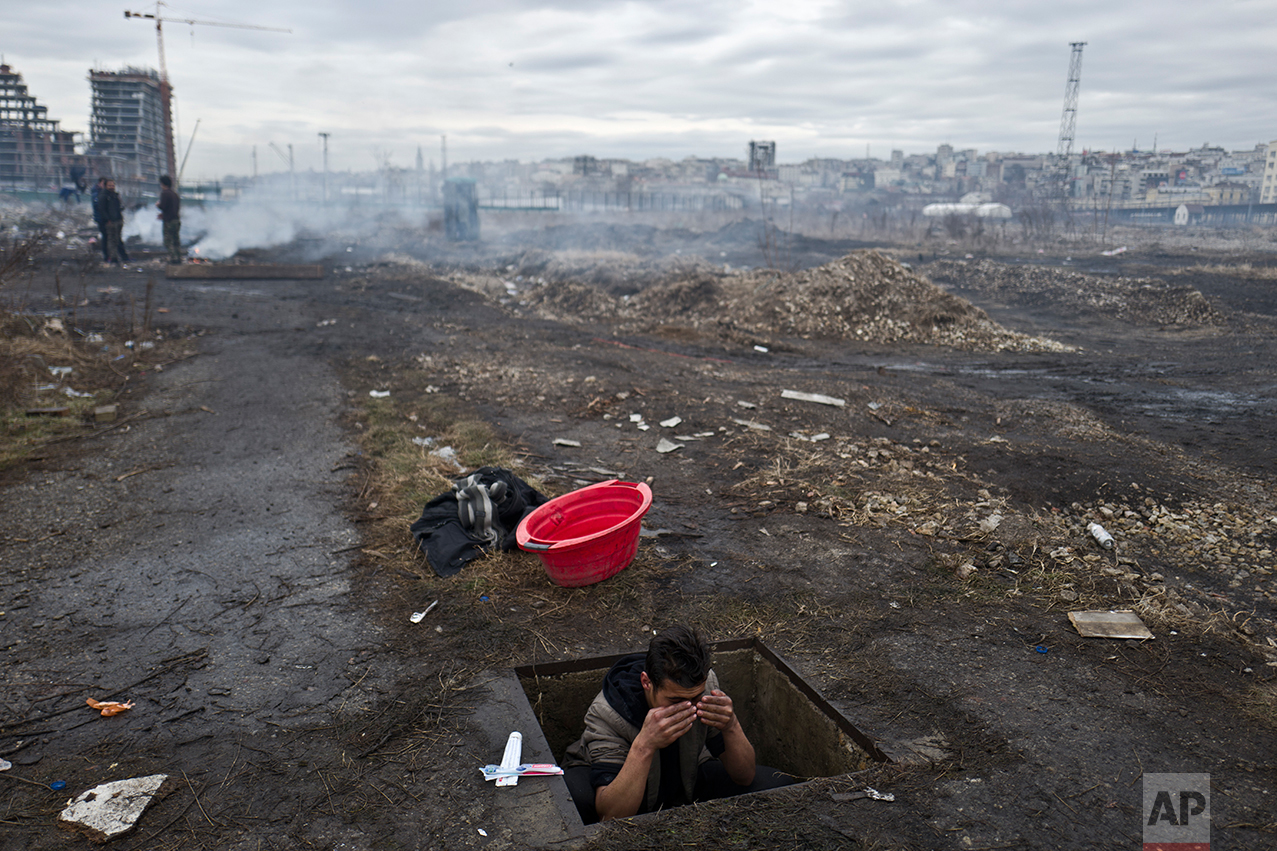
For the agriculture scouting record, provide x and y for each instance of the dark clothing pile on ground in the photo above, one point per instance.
(482, 511)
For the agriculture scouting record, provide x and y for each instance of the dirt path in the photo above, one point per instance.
(202, 562)
(195, 561)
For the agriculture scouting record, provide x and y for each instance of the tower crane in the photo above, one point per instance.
(166, 91)
(1068, 120)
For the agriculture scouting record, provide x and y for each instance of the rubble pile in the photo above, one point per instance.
(618, 272)
(863, 296)
(59, 226)
(568, 301)
(1235, 541)
(1140, 301)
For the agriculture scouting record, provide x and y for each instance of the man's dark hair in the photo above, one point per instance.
(678, 654)
(166, 181)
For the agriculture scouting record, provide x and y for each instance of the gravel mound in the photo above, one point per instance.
(571, 301)
(863, 296)
(1139, 301)
(618, 272)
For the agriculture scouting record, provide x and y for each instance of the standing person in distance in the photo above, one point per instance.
(96, 196)
(170, 205)
(113, 223)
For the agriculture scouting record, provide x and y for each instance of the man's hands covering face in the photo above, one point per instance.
(666, 724)
(715, 710)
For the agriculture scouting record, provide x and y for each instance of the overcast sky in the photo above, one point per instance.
(528, 79)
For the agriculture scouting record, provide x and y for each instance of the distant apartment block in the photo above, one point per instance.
(35, 153)
(129, 125)
(1268, 189)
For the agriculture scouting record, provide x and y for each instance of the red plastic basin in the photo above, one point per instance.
(589, 534)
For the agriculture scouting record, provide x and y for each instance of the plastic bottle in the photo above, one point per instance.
(1101, 535)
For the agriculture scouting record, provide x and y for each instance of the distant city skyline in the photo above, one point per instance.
(529, 80)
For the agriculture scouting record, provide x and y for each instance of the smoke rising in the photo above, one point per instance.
(218, 230)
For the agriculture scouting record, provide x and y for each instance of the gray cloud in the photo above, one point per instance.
(651, 78)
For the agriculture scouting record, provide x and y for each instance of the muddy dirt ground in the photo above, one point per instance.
(233, 556)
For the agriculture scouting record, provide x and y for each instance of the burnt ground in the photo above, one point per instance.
(233, 556)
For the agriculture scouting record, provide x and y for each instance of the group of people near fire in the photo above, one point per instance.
(108, 214)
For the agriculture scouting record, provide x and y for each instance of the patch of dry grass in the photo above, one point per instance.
(29, 352)
(1261, 703)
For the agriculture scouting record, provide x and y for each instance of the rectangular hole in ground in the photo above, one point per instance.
(792, 727)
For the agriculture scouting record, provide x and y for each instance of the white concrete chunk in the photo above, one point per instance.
(111, 809)
(818, 398)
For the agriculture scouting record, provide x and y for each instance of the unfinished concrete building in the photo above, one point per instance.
(129, 126)
(762, 156)
(35, 153)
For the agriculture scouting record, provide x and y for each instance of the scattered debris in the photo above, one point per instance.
(111, 809)
(423, 441)
(665, 446)
(1101, 535)
(818, 398)
(1111, 624)
(527, 769)
(745, 404)
(105, 413)
(508, 770)
(417, 617)
(756, 426)
(563, 441)
(867, 792)
(671, 422)
(5, 765)
(762, 349)
(448, 455)
(379, 394)
(110, 707)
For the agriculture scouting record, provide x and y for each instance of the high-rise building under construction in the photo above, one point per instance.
(35, 153)
(128, 125)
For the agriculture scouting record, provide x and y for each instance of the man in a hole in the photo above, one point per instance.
(661, 734)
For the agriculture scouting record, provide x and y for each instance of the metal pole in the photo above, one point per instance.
(324, 136)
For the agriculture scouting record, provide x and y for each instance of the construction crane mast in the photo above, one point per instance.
(1068, 121)
(166, 91)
